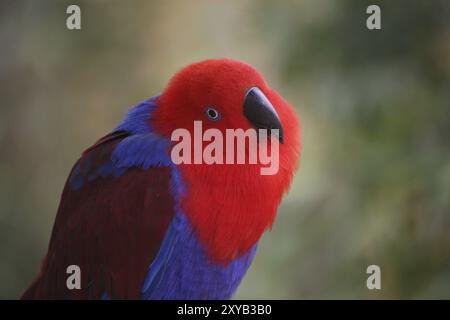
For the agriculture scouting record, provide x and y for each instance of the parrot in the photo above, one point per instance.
(139, 226)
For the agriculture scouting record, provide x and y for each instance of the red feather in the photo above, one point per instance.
(229, 206)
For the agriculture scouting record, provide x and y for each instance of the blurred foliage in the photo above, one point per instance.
(374, 182)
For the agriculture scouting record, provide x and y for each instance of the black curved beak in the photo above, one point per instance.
(261, 113)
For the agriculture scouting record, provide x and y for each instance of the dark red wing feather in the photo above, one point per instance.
(111, 227)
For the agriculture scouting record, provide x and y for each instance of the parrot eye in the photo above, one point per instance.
(212, 114)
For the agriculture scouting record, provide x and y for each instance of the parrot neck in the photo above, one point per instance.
(230, 206)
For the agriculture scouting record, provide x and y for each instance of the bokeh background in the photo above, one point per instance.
(374, 182)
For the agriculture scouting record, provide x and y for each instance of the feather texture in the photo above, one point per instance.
(140, 226)
(110, 223)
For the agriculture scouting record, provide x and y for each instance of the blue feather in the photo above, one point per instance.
(137, 118)
(142, 151)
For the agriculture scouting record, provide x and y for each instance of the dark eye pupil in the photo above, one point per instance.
(212, 113)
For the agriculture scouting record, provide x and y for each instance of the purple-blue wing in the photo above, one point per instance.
(114, 212)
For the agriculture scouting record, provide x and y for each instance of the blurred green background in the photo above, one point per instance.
(374, 182)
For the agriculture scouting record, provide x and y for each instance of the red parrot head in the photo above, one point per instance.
(229, 205)
(223, 94)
